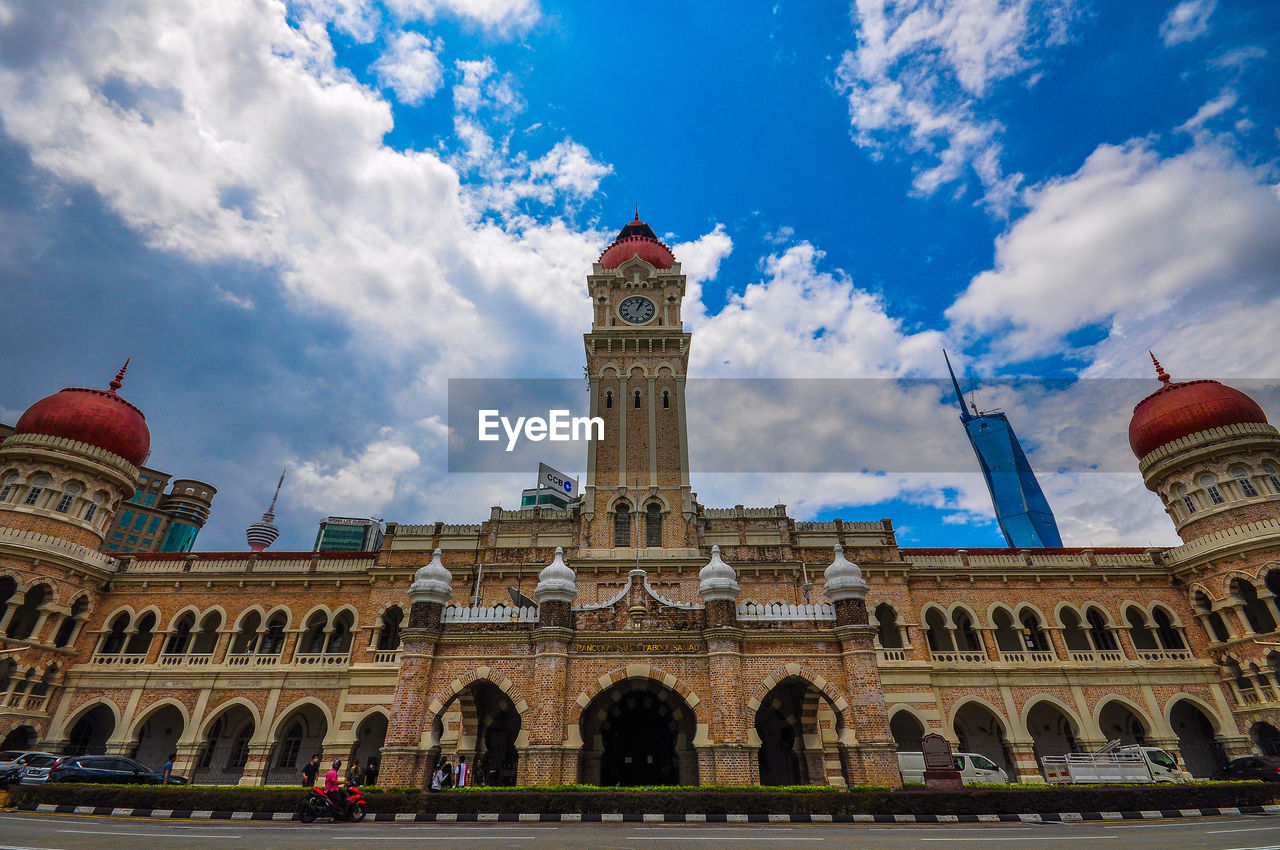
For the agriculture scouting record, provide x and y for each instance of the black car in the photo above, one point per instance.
(114, 770)
(1264, 768)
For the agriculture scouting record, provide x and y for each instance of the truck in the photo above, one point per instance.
(1114, 763)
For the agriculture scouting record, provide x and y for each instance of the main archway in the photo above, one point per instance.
(638, 732)
(1202, 752)
(800, 736)
(480, 724)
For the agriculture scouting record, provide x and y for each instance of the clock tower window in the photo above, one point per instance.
(608, 400)
(666, 400)
(637, 399)
(653, 525)
(622, 525)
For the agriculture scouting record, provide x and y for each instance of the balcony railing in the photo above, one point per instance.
(321, 659)
(1165, 654)
(202, 659)
(891, 654)
(1091, 656)
(386, 656)
(959, 657)
(1028, 657)
(253, 660)
(118, 660)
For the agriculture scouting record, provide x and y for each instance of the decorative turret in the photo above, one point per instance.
(718, 588)
(556, 590)
(1208, 451)
(264, 532)
(847, 590)
(431, 590)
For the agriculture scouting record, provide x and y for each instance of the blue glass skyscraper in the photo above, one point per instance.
(1021, 508)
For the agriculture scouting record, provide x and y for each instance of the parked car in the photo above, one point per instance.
(11, 764)
(1264, 768)
(37, 770)
(112, 770)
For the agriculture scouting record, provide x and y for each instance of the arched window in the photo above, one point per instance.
(608, 400)
(1272, 478)
(1139, 631)
(273, 640)
(1241, 475)
(1166, 631)
(10, 484)
(389, 634)
(180, 639)
(935, 631)
(653, 525)
(637, 404)
(68, 626)
(967, 636)
(246, 640)
(622, 525)
(340, 638)
(314, 637)
(98, 499)
(887, 628)
(113, 640)
(290, 745)
(1187, 501)
(1210, 485)
(1103, 638)
(68, 497)
(140, 641)
(1216, 626)
(1032, 634)
(1073, 633)
(38, 483)
(206, 639)
(1256, 611)
(666, 400)
(23, 620)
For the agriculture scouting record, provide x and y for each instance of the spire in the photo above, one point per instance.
(1160, 372)
(965, 416)
(272, 510)
(637, 218)
(119, 379)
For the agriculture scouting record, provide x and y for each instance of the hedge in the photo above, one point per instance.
(691, 800)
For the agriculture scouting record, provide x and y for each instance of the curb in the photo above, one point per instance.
(558, 817)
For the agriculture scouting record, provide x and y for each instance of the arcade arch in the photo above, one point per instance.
(91, 731)
(1119, 722)
(480, 723)
(800, 733)
(1053, 731)
(638, 732)
(225, 748)
(907, 731)
(158, 735)
(1202, 752)
(979, 730)
(298, 737)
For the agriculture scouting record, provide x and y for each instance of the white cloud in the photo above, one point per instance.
(1220, 104)
(503, 17)
(361, 485)
(1133, 244)
(918, 77)
(700, 262)
(410, 66)
(1187, 21)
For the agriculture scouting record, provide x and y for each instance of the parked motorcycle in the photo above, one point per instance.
(318, 805)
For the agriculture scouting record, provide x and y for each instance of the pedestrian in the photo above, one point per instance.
(371, 771)
(438, 777)
(333, 790)
(310, 770)
(166, 772)
(447, 767)
(354, 776)
(462, 773)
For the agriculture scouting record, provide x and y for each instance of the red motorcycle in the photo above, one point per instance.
(318, 805)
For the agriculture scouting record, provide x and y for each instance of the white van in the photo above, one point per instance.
(974, 768)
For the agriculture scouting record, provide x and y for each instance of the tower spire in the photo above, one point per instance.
(118, 382)
(264, 532)
(1160, 372)
(965, 416)
(272, 510)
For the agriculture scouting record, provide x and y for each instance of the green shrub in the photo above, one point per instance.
(687, 800)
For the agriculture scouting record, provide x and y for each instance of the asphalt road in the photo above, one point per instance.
(65, 832)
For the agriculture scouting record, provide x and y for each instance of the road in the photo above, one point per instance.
(20, 831)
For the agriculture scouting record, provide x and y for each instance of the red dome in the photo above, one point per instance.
(1178, 410)
(97, 417)
(637, 239)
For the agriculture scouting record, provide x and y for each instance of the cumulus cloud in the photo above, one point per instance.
(410, 66)
(917, 81)
(363, 484)
(503, 17)
(1130, 243)
(1186, 21)
(700, 262)
(1210, 110)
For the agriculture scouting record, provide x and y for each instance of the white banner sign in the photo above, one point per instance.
(558, 481)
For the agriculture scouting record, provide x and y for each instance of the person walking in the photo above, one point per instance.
(371, 771)
(354, 777)
(310, 770)
(462, 773)
(166, 772)
(334, 791)
(438, 777)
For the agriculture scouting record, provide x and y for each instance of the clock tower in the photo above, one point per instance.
(637, 492)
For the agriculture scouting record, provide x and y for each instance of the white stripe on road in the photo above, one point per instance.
(713, 838)
(1244, 829)
(1042, 838)
(147, 834)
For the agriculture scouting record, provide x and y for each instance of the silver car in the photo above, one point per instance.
(37, 769)
(18, 758)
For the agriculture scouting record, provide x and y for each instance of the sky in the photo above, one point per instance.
(301, 220)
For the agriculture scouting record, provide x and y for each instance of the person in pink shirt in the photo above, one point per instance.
(333, 788)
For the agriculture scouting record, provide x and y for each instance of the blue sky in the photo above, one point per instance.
(300, 220)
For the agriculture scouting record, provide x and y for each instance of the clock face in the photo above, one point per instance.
(637, 310)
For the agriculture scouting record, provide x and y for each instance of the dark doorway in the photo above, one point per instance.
(638, 732)
(21, 738)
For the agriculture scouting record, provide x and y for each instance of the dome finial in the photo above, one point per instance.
(119, 379)
(637, 219)
(1160, 372)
